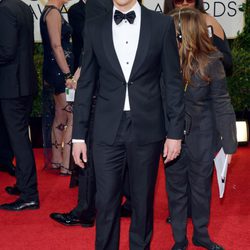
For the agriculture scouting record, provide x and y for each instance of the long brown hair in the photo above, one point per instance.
(195, 48)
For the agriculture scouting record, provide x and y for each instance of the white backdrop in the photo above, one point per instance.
(227, 12)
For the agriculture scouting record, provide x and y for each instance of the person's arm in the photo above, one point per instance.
(54, 25)
(222, 108)
(72, 83)
(8, 37)
(174, 93)
(77, 21)
(221, 43)
(83, 100)
(223, 47)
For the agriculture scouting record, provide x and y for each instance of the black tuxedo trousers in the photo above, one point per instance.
(6, 152)
(182, 174)
(109, 164)
(16, 115)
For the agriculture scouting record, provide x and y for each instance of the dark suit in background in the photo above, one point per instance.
(76, 15)
(17, 87)
(113, 133)
(6, 152)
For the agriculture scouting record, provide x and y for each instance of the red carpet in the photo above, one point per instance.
(34, 230)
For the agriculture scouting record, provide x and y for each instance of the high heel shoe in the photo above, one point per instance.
(64, 171)
(56, 165)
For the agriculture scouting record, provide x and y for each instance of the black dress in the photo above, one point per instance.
(52, 74)
(53, 79)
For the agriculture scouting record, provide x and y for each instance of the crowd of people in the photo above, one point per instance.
(148, 85)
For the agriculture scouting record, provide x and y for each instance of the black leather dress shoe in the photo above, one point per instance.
(125, 213)
(13, 190)
(19, 205)
(210, 246)
(68, 219)
(8, 167)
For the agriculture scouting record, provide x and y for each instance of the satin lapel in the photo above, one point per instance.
(144, 41)
(108, 45)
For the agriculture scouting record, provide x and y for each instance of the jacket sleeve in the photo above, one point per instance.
(172, 79)
(8, 37)
(85, 89)
(222, 108)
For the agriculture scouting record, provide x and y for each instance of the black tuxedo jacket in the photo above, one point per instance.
(17, 71)
(76, 16)
(156, 54)
(210, 118)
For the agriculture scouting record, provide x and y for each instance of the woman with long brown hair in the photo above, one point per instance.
(216, 32)
(210, 121)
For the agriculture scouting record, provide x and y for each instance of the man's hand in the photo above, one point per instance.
(172, 149)
(80, 149)
(229, 159)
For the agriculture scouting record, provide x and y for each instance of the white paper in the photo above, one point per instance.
(221, 165)
(70, 95)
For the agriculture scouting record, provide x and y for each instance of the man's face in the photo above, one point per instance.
(124, 4)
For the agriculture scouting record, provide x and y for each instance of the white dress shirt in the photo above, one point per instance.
(126, 39)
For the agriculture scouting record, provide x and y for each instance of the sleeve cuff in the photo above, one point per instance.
(78, 141)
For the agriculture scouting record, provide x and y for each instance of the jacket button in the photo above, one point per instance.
(131, 83)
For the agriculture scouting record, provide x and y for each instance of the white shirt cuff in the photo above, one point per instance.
(78, 141)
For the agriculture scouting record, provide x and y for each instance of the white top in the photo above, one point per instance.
(126, 39)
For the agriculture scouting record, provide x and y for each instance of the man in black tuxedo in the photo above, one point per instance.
(128, 54)
(17, 87)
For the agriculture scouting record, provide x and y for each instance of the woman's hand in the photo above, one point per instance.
(71, 83)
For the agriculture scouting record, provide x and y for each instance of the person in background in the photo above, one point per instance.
(57, 73)
(6, 152)
(76, 15)
(215, 32)
(7, 156)
(210, 121)
(18, 85)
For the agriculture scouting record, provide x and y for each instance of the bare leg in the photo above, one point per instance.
(58, 130)
(67, 138)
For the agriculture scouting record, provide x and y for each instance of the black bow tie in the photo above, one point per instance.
(119, 16)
